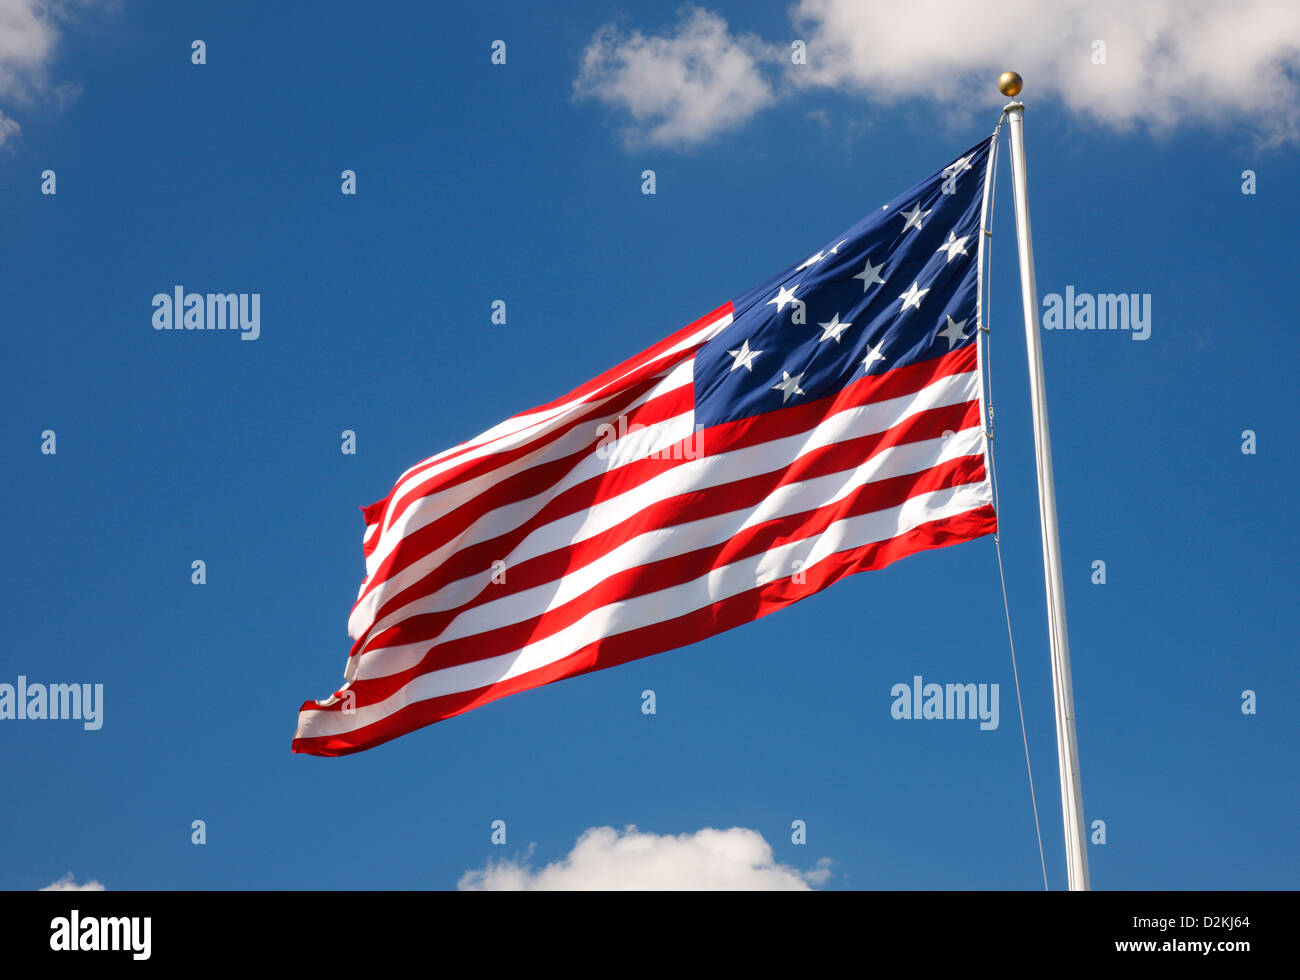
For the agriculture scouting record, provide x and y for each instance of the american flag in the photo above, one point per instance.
(828, 421)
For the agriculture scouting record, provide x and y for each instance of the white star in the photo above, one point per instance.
(953, 332)
(783, 296)
(912, 297)
(870, 274)
(961, 163)
(744, 357)
(789, 386)
(954, 245)
(873, 355)
(833, 329)
(912, 219)
(814, 259)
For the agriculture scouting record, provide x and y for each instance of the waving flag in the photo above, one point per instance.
(826, 422)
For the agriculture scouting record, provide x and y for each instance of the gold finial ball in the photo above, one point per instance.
(1010, 83)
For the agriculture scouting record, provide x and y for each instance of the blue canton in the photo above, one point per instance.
(897, 288)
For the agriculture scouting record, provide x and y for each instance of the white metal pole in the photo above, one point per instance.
(1066, 742)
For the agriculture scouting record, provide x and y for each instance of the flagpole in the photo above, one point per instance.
(1067, 747)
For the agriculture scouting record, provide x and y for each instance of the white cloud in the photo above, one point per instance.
(8, 128)
(29, 37)
(605, 860)
(68, 884)
(1167, 62)
(821, 873)
(679, 88)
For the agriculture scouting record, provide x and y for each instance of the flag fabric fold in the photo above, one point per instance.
(828, 421)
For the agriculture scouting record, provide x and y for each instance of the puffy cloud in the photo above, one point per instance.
(679, 88)
(1166, 62)
(29, 36)
(605, 860)
(68, 884)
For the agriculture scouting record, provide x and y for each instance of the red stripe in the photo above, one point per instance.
(610, 651)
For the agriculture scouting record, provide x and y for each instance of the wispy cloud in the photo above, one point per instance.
(606, 860)
(69, 884)
(1159, 63)
(29, 38)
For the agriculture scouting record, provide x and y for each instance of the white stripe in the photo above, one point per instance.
(634, 613)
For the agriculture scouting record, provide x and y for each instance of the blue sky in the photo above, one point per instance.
(478, 182)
